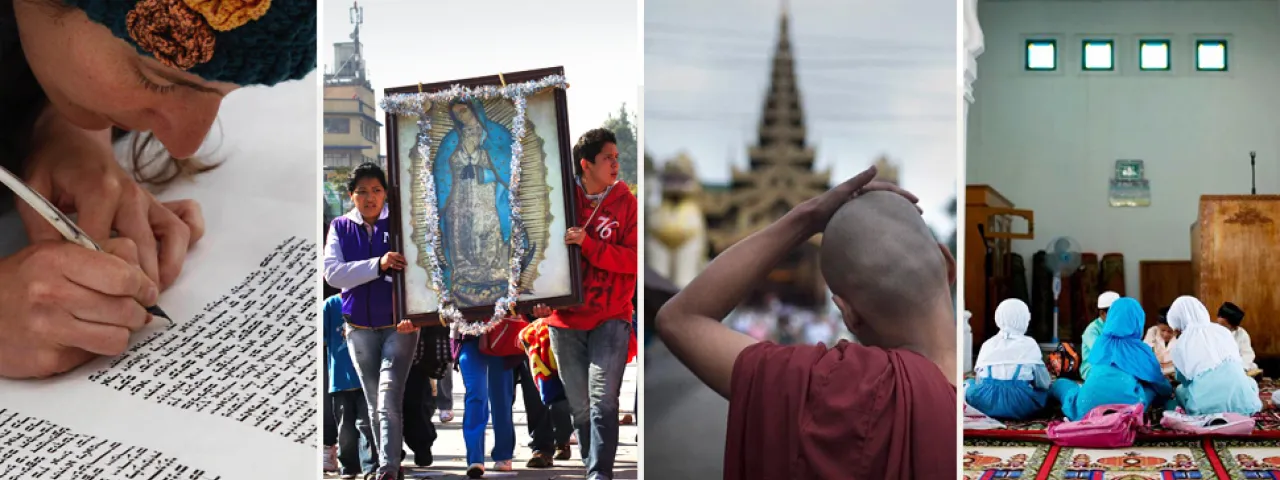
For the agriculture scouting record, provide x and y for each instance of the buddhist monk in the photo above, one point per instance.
(881, 408)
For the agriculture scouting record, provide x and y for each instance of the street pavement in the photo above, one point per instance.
(450, 452)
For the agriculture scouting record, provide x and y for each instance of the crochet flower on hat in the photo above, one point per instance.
(179, 33)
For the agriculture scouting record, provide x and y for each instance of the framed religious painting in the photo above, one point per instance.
(481, 177)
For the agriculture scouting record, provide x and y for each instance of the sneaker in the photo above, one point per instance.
(348, 476)
(331, 458)
(446, 416)
(476, 470)
(540, 460)
(502, 466)
(563, 453)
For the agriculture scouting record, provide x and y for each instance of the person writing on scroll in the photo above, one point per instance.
(884, 408)
(1012, 381)
(592, 343)
(1210, 374)
(76, 77)
(1125, 370)
(1231, 316)
(1094, 330)
(358, 259)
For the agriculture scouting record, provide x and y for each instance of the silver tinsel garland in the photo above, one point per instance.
(420, 104)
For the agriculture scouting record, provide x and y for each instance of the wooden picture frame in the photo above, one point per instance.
(545, 223)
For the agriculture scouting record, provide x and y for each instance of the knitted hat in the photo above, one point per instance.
(245, 42)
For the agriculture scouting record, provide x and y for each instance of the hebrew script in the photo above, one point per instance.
(32, 448)
(248, 356)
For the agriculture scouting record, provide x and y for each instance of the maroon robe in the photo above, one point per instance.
(852, 411)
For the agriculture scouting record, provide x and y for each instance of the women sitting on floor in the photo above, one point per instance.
(1124, 370)
(1210, 373)
(1011, 380)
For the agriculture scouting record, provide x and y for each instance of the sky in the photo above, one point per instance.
(407, 42)
(876, 78)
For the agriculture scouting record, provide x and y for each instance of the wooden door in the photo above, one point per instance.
(1160, 282)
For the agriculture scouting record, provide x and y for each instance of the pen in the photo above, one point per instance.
(64, 225)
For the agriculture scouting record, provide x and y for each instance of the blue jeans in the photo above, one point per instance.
(444, 390)
(592, 363)
(549, 425)
(355, 437)
(488, 385)
(382, 358)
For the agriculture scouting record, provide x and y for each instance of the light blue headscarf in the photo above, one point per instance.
(1120, 344)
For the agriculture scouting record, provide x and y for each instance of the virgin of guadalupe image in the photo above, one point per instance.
(472, 169)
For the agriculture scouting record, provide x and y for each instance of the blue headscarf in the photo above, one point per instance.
(1120, 344)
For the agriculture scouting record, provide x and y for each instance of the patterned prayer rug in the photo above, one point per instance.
(1163, 460)
(992, 459)
(1190, 459)
(1267, 422)
(1249, 459)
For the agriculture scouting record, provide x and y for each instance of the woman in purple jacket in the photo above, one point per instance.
(358, 259)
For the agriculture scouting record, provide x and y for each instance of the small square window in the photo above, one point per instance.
(1042, 55)
(1211, 55)
(1099, 55)
(1153, 55)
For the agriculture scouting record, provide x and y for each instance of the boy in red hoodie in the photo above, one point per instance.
(591, 341)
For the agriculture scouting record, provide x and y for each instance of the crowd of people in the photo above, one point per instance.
(1188, 361)
(787, 324)
(387, 378)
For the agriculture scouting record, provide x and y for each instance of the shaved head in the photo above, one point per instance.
(882, 261)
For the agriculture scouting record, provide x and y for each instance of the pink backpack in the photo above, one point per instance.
(1106, 426)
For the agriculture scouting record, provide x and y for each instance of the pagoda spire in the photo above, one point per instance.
(780, 173)
(782, 121)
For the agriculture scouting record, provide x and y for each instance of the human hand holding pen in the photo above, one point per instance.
(65, 304)
(77, 171)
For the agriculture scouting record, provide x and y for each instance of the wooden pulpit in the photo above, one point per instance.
(1235, 257)
(986, 269)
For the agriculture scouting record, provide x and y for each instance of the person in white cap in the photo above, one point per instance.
(1094, 329)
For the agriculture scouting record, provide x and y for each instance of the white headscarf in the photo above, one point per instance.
(1203, 344)
(1011, 345)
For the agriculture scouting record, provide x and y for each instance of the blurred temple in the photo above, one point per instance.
(690, 222)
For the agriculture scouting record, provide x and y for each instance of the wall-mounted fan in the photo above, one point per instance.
(1062, 257)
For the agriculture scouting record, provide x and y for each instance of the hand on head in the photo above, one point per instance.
(65, 304)
(882, 262)
(818, 210)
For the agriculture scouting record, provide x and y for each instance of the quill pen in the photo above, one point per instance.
(55, 217)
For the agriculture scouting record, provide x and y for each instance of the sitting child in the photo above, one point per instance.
(1208, 365)
(1230, 315)
(1161, 339)
(1124, 370)
(1011, 379)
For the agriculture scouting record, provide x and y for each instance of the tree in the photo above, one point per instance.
(628, 149)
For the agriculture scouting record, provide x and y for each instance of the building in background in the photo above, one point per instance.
(690, 222)
(352, 131)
